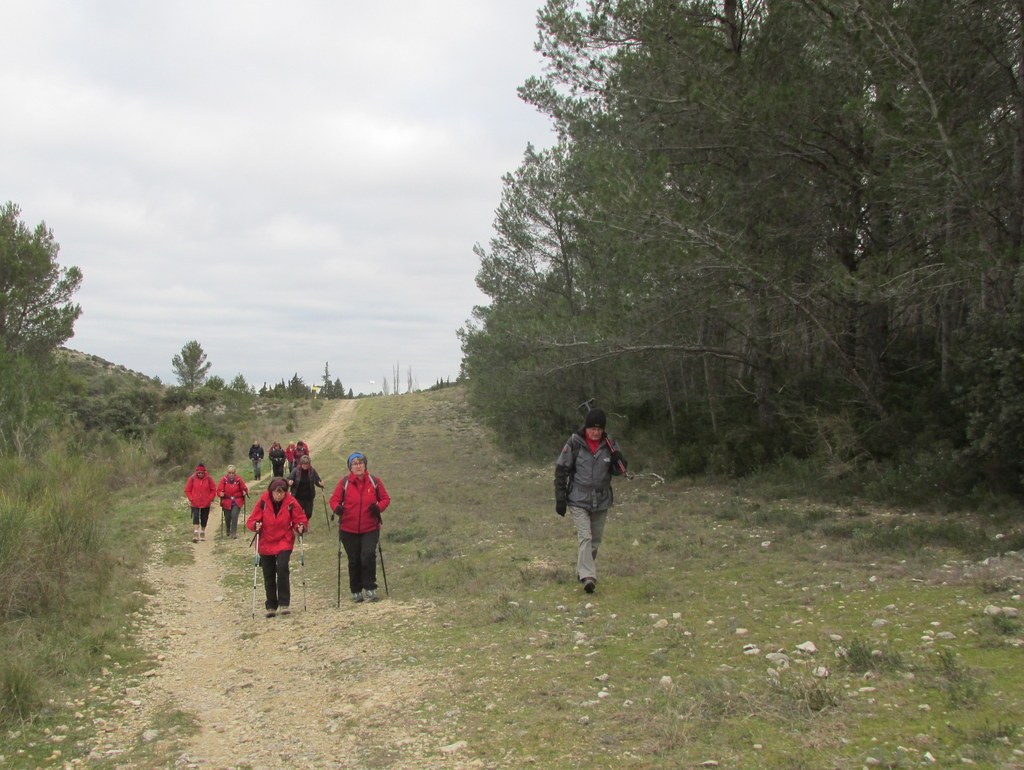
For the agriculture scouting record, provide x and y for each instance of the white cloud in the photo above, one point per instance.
(289, 184)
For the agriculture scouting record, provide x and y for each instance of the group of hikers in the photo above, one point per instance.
(277, 455)
(284, 511)
(583, 472)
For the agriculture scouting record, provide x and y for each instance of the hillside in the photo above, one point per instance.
(91, 367)
(725, 632)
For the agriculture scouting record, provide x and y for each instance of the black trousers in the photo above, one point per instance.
(307, 508)
(361, 551)
(276, 580)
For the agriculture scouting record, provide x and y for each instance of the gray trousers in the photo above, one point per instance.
(589, 531)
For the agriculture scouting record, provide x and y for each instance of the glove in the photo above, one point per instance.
(338, 510)
(375, 509)
(560, 507)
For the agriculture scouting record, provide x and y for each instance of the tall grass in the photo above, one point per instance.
(56, 548)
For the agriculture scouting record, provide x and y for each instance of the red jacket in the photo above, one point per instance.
(302, 448)
(231, 491)
(360, 494)
(289, 453)
(278, 531)
(200, 491)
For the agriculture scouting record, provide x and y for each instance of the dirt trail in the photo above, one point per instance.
(322, 688)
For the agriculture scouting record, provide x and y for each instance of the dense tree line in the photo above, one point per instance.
(769, 229)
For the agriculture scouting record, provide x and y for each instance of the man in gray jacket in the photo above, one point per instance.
(583, 486)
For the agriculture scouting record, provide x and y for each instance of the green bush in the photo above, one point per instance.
(185, 440)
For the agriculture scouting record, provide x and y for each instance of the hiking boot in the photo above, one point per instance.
(371, 595)
(589, 584)
(357, 596)
(271, 613)
(284, 611)
(202, 535)
(195, 535)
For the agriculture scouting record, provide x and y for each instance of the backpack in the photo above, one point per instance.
(344, 489)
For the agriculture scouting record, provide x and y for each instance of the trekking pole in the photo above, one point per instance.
(255, 568)
(384, 572)
(326, 514)
(339, 569)
(302, 566)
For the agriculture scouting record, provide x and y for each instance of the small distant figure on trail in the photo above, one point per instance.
(276, 518)
(583, 486)
(302, 448)
(256, 455)
(289, 454)
(200, 491)
(358, 500)
(232, 492)
(277, 458)
(302, 483)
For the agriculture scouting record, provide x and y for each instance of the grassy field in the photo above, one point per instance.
(665, 666)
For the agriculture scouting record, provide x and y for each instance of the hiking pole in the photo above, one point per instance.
(255, 567)
(384, 572)
(326, 514)
(302, 566)
(339, 569)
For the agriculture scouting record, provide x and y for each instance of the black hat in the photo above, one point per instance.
(595, 419)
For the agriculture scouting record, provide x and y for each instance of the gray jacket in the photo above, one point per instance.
(584, 479)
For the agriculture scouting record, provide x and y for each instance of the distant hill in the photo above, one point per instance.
(91, 367)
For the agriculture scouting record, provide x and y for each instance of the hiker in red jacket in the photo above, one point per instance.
(277, 517)
(359, 500)
(200, 491)
(232, 492)
(289, 455)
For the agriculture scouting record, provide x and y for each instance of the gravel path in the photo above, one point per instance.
(326, 687)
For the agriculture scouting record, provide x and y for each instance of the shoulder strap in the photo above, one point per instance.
(344, 488)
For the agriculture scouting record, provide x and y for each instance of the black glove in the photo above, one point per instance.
(375, 510)
(560, 507)
(338, 510)
(617, 460)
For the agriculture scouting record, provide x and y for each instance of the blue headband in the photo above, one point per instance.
(355, 456)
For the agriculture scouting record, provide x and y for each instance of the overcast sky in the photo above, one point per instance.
(289, 183)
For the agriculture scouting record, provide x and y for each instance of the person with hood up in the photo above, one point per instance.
(583, 487)
(358, 500)
(289, 455)
(302, 483)
(232, 492)
(200, 492)
(276, 518)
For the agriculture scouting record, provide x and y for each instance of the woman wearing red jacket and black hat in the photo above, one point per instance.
(359, 499)
(276, 518)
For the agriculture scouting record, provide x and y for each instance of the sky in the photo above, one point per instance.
(293, 185)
